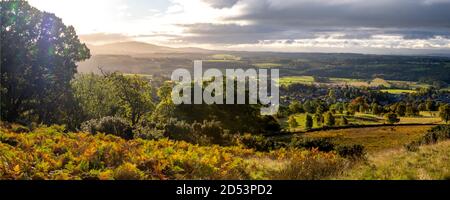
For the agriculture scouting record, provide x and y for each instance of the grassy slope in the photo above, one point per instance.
(429, 163)
(374, 138)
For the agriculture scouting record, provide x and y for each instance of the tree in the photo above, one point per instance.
(410, 111)
(329, 119)
(444, 112)
(292, 121)
(38, 59)
(135, 94)
(344, 121)
(401, 110)
(308, 122)
(430, 105)
(295, 107)
(422, 107)
(309, 107)
(96, 95)
(318, 118)
(391, 118)
(375, 109)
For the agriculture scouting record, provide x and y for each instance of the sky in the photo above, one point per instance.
(354, 26)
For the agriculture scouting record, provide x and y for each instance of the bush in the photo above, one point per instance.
(109, 125)
(205, 133)
(354, 152)
(257, 142)
(147, 131)
(391, 118)
(322, 144)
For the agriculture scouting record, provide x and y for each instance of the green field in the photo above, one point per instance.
(267, 65)
(366, 119)
(296, 79)
(225, 57)
(398, 91)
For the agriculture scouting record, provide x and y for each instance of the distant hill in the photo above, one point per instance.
(133, 48)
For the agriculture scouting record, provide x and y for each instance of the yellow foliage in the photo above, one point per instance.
(49, 153)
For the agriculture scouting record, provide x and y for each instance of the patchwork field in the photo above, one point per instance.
(358, 83)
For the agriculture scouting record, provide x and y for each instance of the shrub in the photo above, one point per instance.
(391, 118)
(205, 133)
(109, 125)
(330, 119)
(322, 144)
(308, 122)
(257, 142)
(344, 121)
(147, 131)
(354, 152)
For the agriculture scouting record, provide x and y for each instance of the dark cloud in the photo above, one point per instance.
(221, 3)
(301, 19)
(352, 13)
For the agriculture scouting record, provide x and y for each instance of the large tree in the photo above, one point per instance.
(38, 59)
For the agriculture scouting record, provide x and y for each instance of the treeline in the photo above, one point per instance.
(431, 70)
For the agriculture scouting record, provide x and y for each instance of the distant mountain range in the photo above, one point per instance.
(133, 48)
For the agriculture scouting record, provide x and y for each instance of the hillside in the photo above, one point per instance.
(429, 163)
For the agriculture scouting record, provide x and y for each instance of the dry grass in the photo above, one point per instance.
(429, 163)
(374, 138)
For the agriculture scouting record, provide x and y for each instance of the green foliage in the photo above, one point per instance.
(444, 112)
(114, 94)
(257, 142)
(344, 121)
(96, 95)
(135, 95)
(318, 119)
(295, 107)
(308, 122)
(330, 120)
(38, 60)
(322, 144)
(354, 152)
(292, 121)
(391, 118)
(147, 131)
(205, 133)
(110, 125)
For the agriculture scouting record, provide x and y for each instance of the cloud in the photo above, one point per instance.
(221, 3)
(399, 24)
